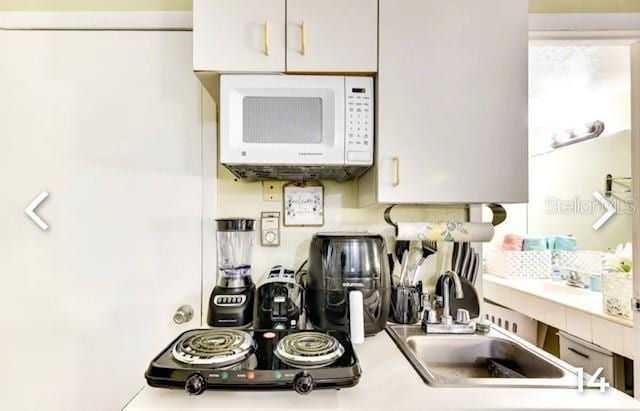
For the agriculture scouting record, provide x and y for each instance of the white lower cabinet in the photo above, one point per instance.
(578, 324)
(110, 124)
(512, 321)
(587, 356)
(608, 334)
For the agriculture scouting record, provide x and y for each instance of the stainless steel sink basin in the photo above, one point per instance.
(469, 360)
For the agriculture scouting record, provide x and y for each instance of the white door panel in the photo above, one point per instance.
(109, 123)
(239, 35)
(339, 36)
(452, 101)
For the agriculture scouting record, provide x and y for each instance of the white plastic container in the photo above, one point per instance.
(520, 264)
(617, 291)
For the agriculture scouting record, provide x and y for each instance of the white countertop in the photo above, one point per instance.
(583, 300)
(388, 382)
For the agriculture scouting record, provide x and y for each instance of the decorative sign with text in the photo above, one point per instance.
(303, 204)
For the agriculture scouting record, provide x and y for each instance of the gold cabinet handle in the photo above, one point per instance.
(396, 171)
(303, 38)
(266, 38)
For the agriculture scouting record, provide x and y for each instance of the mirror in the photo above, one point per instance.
(579, 145)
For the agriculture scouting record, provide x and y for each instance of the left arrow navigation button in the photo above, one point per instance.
(30, 210)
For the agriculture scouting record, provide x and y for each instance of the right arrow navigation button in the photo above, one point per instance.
(611, 210)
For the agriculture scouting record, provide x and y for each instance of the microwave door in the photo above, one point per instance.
(297, 121)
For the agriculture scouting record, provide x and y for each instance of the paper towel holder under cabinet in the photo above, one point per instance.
(498, 211)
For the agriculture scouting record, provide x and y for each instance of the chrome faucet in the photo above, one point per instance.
(446, 325)
(573, 280)
(459, 294)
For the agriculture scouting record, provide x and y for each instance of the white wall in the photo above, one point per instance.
(241, 198)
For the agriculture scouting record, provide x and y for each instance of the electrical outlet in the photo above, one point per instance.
(271, 190)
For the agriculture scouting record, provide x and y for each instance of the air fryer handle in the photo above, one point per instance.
(356, 317)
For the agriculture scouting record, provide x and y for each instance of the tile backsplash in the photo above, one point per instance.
(238, 198)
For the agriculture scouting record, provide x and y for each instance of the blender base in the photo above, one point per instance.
(231, 306)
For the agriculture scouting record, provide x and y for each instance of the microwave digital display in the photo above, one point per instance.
(358, 90)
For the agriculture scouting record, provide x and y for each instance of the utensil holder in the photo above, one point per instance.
(406, 303)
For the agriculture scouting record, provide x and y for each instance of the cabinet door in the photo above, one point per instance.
(452, 101)
(332, 35)
(110, 124)
(238, 35)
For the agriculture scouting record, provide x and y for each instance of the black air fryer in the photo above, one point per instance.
(348, 283)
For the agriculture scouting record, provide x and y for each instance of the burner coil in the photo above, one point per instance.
(309, 349)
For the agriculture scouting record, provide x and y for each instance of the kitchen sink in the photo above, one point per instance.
(498, 358)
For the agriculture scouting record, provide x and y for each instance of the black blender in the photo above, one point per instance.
(231, 302)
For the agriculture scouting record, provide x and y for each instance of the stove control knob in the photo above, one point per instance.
(195, 384)
(303, 383)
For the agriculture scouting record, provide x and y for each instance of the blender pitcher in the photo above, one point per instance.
(235, 237)
(231, 302)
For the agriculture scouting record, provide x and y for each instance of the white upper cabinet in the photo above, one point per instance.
(239, 35)
(321, 35)
(332, 35)
(451, 103)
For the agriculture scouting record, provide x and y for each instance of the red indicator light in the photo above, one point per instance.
(251, 375)
(269, 334)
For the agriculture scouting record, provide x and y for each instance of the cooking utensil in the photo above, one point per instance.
(400, 248)
(476, 267)
(466, 257)
(403, 266)
(426, 252)
(472, 263)
(456, 258)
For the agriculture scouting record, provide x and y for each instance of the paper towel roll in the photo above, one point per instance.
(446, 231)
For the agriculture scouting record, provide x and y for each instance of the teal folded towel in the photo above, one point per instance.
(564, 243)
(535, 243)
(551, 243)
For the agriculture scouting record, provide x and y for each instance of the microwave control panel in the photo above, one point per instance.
(359, 120)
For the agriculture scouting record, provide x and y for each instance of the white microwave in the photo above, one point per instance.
(296, 127)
